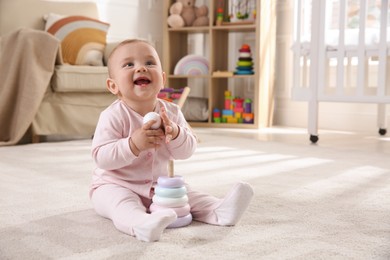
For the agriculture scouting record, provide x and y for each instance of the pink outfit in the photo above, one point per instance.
(122, 185)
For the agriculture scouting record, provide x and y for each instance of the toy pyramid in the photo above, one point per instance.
(170, 191)
(244, 63)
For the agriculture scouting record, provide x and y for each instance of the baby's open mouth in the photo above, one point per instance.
(142, 81)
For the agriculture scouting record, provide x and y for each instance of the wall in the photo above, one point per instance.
(337, 116)
(133, 19)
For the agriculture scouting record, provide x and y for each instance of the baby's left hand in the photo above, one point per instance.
(171, 129)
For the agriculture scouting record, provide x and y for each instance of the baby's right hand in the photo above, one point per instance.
(146, 138)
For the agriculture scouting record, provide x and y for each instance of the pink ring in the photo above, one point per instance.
(181, 222)
(180, 211)
(170, 182)
(170, 202)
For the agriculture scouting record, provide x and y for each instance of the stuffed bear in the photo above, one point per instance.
(185, 13)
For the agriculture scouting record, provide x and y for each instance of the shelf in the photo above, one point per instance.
(188, 76)
(226, 125)
(206, 29)
(197, 29)
(216, 43)
(235, 28)
(222, 125)
(208, 76)
(235, 76)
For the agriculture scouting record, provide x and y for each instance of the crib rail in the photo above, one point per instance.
(329, 66)
(342, 72)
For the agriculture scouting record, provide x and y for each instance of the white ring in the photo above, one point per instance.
(170, 202)
(170, 182)
(180, 211)
(170, 192)
(181, 222)
(245, 54)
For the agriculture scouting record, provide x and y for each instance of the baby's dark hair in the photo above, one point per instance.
(128, 41)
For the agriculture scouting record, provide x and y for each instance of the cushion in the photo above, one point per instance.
(68, 78)
(83, 39)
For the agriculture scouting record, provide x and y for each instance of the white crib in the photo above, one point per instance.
(340, 57)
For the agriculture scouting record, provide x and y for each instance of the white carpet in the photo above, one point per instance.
(325, 201)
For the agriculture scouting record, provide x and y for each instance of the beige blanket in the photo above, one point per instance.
(27, 59)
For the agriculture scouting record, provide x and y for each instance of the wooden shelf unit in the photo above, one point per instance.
(216, 40)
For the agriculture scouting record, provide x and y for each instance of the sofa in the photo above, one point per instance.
(75, 94)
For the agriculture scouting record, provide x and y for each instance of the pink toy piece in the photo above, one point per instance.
(170, 182)
(180, 211)
(153, 116)
(181, 222)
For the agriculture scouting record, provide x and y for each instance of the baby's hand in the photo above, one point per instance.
(171, 129)
(146, 138)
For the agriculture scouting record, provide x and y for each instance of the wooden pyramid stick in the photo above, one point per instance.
(180, 103)
(171, 170)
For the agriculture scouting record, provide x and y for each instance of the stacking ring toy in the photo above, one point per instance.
(180, 211)
(170, 192)
(181, 222)
(168, 182)
(170, 202)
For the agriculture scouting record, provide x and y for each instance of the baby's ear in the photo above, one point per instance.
(111, 86)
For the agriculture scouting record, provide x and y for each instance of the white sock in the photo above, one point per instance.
(234, 204)
(154, 224)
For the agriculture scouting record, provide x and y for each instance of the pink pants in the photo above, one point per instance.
(126, 209)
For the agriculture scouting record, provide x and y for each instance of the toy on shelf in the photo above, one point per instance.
(248, 116)
(223, 73)
(170, 191)
(244, 63)
(220, 7)
(193, 65)
(217, 115)
(236, 110)
(170, 94)
(185, 13)
(242, 11)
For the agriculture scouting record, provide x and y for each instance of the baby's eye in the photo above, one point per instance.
(129, 64)
(150, 63)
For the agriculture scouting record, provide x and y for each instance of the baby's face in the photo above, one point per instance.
(137, 73)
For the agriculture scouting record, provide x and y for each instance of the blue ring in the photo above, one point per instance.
(170, 192)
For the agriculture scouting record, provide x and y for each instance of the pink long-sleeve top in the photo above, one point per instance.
(114, 159)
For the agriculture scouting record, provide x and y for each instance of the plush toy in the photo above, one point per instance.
(185, 13)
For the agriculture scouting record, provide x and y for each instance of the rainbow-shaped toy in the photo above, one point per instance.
(192, 64)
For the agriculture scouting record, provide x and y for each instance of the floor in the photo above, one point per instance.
(329, 200)
(327, 138)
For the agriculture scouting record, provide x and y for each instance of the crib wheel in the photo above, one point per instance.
(382, 131)
(314, 138)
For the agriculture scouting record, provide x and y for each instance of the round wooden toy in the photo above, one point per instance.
(152, 116)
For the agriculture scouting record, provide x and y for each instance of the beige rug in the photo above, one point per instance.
(325, 201)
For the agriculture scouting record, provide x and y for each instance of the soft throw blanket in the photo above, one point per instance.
(27, 59)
